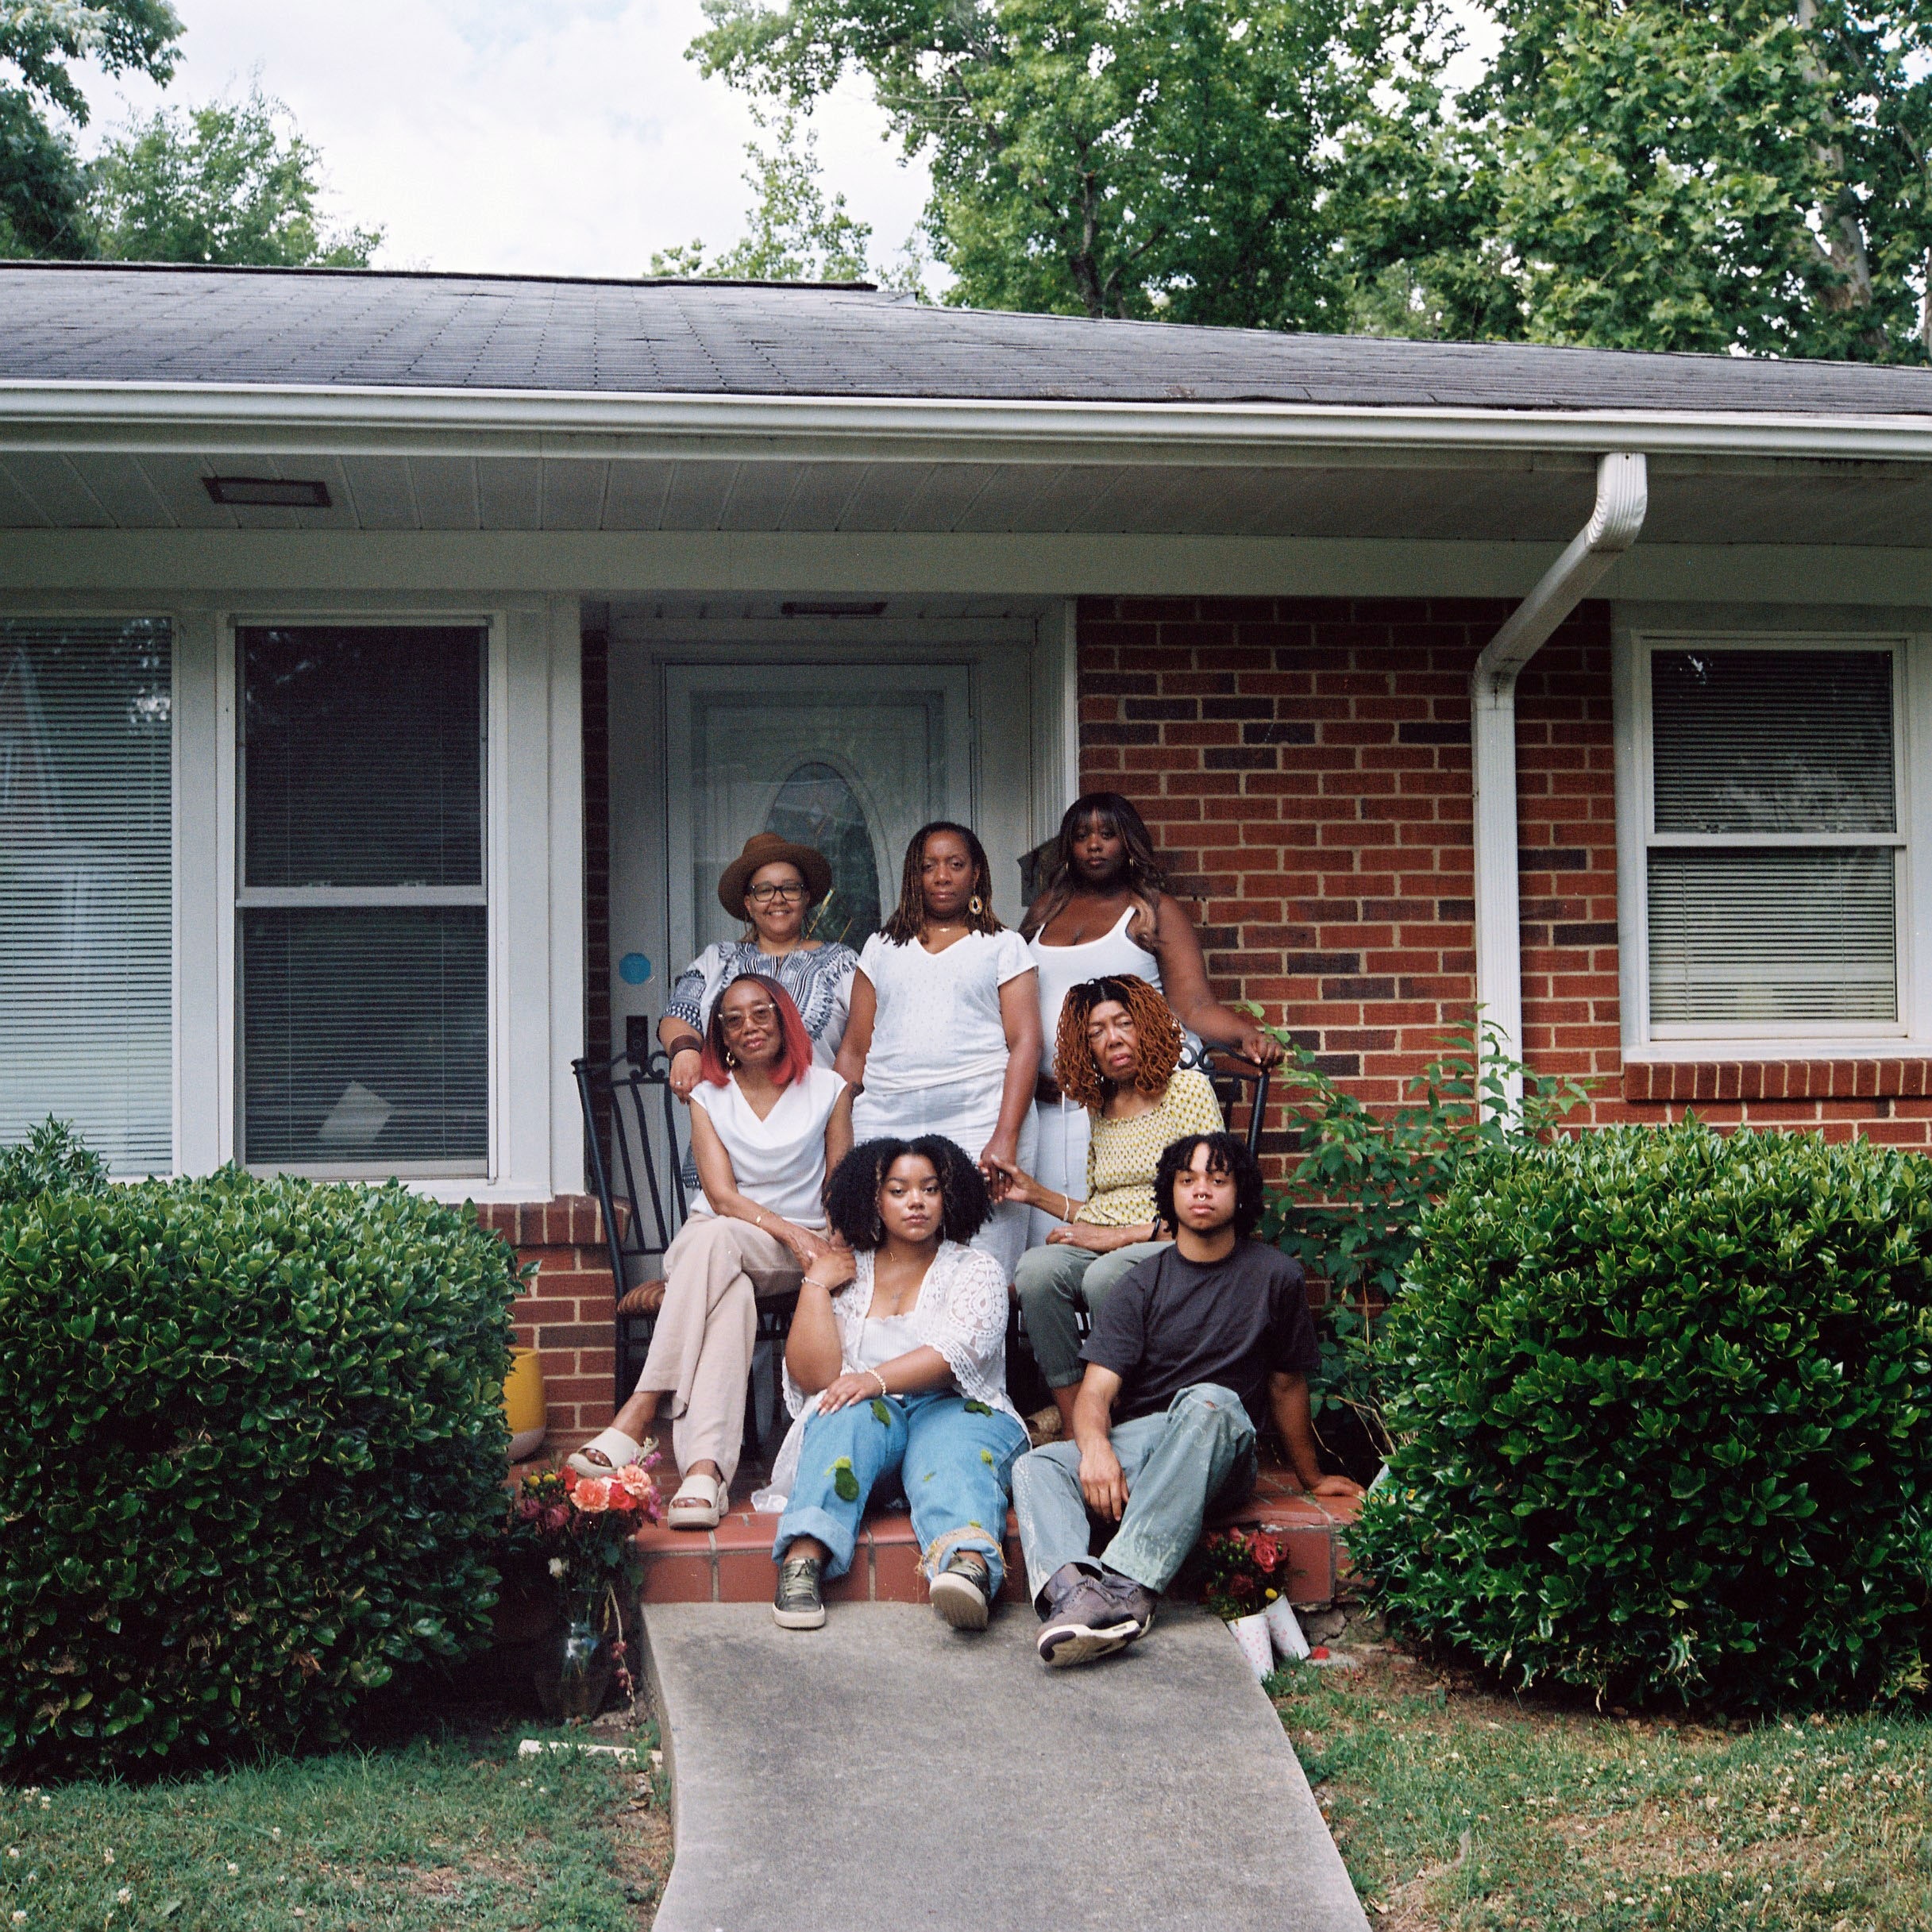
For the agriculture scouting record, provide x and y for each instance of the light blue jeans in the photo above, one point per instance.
(956, 1464)
(1200, 1452)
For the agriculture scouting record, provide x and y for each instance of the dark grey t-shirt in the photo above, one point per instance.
(1171, 1322)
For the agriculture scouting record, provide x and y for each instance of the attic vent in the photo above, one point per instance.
(268, 492)
(834, 610)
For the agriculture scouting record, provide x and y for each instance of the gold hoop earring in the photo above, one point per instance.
(976, 905)
(730, 1058)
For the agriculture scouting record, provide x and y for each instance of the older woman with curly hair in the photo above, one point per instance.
(1117, 1054)
(895, 1365)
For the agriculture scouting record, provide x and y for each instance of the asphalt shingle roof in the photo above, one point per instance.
(329, 330)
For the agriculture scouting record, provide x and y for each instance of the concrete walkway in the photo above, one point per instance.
(886, 1771)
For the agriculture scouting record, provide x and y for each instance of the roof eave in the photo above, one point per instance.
(297, 418)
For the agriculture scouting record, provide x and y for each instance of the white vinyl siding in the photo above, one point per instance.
(1773, 853)
(86, 885)
(364, 909)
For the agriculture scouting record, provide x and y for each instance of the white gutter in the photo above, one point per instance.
(293, 418)
(1622, 498)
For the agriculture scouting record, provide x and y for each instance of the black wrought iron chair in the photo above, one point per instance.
(1237, 1081)
(641, 1189)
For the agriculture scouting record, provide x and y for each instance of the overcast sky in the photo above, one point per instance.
(567, 137)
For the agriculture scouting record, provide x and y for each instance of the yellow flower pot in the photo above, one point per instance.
(523, 1404)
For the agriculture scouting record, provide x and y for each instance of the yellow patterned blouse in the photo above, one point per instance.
(1123, 1155)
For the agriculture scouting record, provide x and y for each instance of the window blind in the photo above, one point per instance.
(364, 930)
(1766, 765)
(87, 885)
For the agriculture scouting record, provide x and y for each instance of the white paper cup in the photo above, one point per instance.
(1252, 1633)
(1285, 1628)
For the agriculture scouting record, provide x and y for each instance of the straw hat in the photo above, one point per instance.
(768, 849)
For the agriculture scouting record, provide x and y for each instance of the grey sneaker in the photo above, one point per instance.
(962, 1592)
(797, 1604)
(1135, 1600)
(1083, 1620)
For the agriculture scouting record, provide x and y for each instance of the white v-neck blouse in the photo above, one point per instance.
(778, 1162)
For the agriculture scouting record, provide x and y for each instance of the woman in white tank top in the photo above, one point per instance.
(1106, 911)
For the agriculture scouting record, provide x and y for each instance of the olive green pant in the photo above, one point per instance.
(1053, 1284)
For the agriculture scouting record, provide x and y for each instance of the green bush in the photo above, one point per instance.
(52, 1159)
(251, 1449)
(1662, 1419)
(1351, 1211)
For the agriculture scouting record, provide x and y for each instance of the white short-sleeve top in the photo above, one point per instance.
(938, 1013)
(778, 1162)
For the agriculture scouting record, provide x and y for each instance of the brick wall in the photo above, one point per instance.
(1305, 765)
(567, 1309)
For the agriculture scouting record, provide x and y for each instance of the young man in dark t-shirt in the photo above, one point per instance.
(1193, 1351)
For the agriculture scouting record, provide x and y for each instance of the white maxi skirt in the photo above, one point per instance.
(966, 1112)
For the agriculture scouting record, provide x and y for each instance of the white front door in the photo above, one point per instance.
(852, 758)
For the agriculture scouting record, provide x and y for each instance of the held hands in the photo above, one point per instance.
(684, 1067)
(1102, 1482)
(1019, 1185)
(998, 1163)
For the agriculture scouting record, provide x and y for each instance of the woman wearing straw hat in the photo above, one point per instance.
(772, 885)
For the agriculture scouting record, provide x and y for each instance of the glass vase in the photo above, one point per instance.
(575, 1675)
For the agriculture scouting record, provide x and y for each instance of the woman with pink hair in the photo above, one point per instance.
(767, 1124)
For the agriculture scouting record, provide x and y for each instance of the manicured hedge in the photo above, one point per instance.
(252, 1448)
(1663, 1419)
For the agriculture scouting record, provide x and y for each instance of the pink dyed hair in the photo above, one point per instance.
(793, 1064)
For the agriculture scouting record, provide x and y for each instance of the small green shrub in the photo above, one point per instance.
(1351, 1211)
(1661, 1419)
(52, 1159)
(252, 1448)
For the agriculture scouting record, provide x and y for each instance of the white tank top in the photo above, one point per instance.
(1061, 968)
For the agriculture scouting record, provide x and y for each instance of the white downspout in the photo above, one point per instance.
(1622, 497)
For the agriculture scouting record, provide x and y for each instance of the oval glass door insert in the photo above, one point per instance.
(816, 807)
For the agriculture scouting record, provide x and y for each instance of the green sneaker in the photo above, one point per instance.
(797, 1604)
(961, 1593)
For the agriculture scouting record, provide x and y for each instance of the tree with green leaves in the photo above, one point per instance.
(796, 234)
(236, 184)
(1656, 174)
(1097, 157)
(43, 185)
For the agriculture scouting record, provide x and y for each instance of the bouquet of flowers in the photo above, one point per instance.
(1244, 1571)
(576, 1530)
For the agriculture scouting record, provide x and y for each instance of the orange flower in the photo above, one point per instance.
(635, 1481)
(591, 1494)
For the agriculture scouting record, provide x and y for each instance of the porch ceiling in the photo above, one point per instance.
(1486, 496)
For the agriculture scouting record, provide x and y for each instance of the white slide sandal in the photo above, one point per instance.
(615, 1447)
(698, 1505)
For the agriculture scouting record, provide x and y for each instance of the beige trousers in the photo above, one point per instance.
(700, 1350)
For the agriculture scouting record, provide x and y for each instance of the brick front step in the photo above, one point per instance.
(732, 1564)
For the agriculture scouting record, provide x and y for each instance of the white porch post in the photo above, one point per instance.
(1622, 498)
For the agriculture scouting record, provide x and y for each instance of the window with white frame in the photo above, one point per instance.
(86, 885)
(363, 907)
(1774, 845)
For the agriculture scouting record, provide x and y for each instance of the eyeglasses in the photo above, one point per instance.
(764, 894)
(742, 1016)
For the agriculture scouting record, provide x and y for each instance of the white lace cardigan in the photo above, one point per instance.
(961, 1311)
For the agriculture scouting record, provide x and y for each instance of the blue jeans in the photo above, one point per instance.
(956, 1464)
(1201, 1451)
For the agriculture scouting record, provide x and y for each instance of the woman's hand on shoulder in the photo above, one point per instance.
(807, 1244)
(686, 1066)
(834, 1268)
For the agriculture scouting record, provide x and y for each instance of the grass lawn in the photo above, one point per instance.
(1459, 1810)
(427, 1834)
